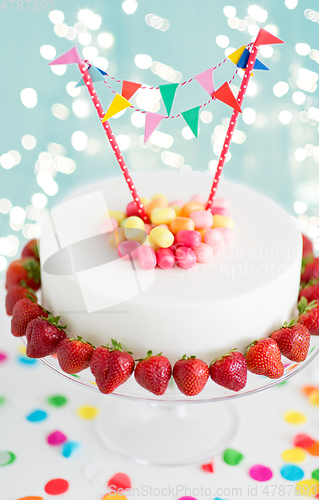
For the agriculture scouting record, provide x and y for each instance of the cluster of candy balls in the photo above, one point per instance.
(177, 233)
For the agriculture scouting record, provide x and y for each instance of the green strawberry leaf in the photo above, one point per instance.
(33, 269)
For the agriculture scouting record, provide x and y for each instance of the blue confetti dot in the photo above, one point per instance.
(69, 448)
(37, 416)
(27, 361)
(292, 472)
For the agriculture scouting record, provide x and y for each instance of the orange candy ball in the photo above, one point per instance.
(181, 223)
(190, 207)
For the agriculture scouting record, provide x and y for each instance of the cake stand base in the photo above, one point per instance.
(166, 434)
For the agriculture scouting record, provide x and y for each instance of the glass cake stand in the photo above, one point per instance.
(173, 429)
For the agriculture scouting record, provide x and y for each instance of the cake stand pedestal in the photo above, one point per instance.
(173, 429)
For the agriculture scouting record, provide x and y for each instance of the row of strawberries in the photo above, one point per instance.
(111, 366)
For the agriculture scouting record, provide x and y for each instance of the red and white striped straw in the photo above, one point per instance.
(232, 123)
(98, 106)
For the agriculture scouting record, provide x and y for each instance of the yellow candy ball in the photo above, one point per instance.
(162, 215)
(161, 237)
(116, 214)
(177, 210)
(159, 195)
(145, 201)
(222, 221)
(134, 228)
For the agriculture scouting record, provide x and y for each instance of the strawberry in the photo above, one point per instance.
(111, 367)
(43, 336)
(74, 355)
(310, 270)
(293, 341)
(153, 373)
(263, 358)
(310, 290)
(31, 250)
(16, 293)
(191, 375)
(230, 370)
(309, 315)
(307, 248)
(27, 270)
(23, 312)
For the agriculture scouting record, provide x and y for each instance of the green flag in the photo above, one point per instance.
(168, 93)
(191, 118)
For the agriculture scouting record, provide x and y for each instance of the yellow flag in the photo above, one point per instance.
(235, 56)
(118, 104)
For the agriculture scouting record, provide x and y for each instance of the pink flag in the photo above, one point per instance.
(70, 57)
(205, 79)
(151, 122)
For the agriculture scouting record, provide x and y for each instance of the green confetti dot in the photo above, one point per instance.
(232, 457)
(6, 458)
(57, 400)
(2, 400)
(315, 474)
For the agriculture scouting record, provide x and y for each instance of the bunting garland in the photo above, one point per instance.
(95, 74)
(205, 79)
(168, 92)
(191, 118)
(152, 121)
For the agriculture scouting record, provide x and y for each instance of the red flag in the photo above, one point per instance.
(265, 38)
(225, 95)
(129, 89)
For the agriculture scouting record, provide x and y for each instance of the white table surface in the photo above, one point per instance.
(262, 437)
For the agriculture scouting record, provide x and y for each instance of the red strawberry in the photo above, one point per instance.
(31, 250)
(153, 373)
(23, 312)
(74, 355)
(263, 358)
(310, 291)
(16, 293)
(307, 248)
(191, 375)
(293, 341)
(309, 315)
(310, 271)
(43, 336)
(111, 367)
(27, 270)
(230, 370)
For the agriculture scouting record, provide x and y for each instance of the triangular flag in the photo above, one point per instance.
(168, 93)
(235, 56)
(242, 63)
(129, 89)
(224, 94)
(118, 104)
(95, 74)
(205, 80)
(70, 57)
(265, 38)
(259, 65)
(151, 122)
(101, 71)
(191, 118)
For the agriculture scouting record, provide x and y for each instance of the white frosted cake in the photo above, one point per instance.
(240, 295)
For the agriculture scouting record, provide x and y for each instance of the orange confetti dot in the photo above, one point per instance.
(314, 449)
(31, 498)
(308, 389)
(114, 497)
(314, 397)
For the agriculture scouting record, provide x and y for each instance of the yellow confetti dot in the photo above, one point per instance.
(295, 417)
(88, 412)
(114, 497)
(314, 398)
(307, 488)
(294, 456)
(22, 349)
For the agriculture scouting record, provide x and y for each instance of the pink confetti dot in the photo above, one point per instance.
(56, 438)
(3, 357)
(260, 473)
(119, 481)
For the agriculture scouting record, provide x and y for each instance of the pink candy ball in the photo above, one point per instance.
(131, 210)
(220, 211)
(179, 203)
(214, 239)
(165, 258)
(188, 238)
(147, 228)
(199, 198)
(108, 225)
(221, 202)
(127, 249)
(203, 253)
(203, 219)
(226, 232)
(146, 257)
(185, 257)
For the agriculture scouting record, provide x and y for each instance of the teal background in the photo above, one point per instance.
(265, 161)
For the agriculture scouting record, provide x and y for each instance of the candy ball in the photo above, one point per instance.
(178, 203)
(220, 211)
(146, 257)
(116, 237)
(134, 228)
(188, 238)
(202, 219)
(177, 209)
(157, 203)
(201, 232)
(159, 196)
(165, 258)
(119, 216)
(190, 207)
(127, 249)
(199, 198)
(203, 253)
(227, 233)
(180, 223)
(221, 202)
(214, 239)
(222, 221)
(147, 228)
(161, 237)
(108, 225)
(145, 201)
(162, 215)
(185, 257)
(132, 210)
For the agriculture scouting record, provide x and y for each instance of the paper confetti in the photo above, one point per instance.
(303, 441)
(260, 473)
(3, 357)
(2, 400)
(87, 412)
(314, 398)
(208, 467)
(314, 449)
(315, 474)
(24, 360)
(295, 417)
(307, 488)
(308, 389)
(69, 448)
(187, 498)
(56, 486)
(37, 416)
(294, 456)
(119, 481)
(56, 438)
(232, 457)
(114, 497)
(292, 472)
(6, 458)
(57, 400)
(31, 498)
